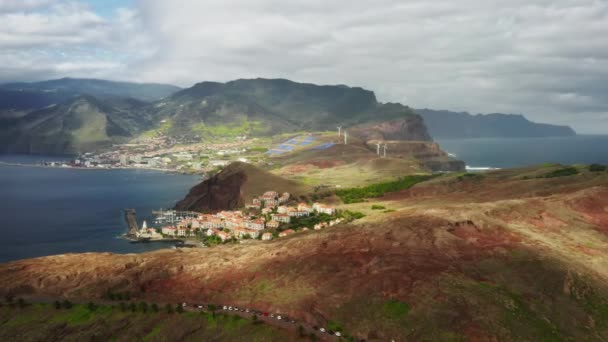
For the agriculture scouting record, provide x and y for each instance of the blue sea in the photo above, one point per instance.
(504, 153)
(46, 211)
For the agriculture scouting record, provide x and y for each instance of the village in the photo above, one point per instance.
(267, 217)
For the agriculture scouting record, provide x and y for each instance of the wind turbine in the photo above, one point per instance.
(339, 131)
(384, 150)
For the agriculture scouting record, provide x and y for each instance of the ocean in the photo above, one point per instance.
(505, 153)
(45, 211)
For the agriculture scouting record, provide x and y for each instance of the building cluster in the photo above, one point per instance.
(238, 224)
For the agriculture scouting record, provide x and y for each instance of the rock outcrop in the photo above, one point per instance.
(408, 128)
(235, 185)
(429, 154)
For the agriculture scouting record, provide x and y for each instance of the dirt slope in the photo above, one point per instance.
(495, 257)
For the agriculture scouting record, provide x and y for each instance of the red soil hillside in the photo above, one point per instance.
(448, 262)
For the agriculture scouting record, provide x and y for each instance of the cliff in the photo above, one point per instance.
(234, 186)
(429, 154)
(410, 127)
(443, 124)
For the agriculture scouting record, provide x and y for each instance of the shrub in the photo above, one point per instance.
(357, 195)
(57, 305)
(154, 307)
(91, 306)
(597, 168)
(143, 307)
(378, 207)
(21, 303)
(179, 308)
(67, 304)
(563, 172)
(169, 308)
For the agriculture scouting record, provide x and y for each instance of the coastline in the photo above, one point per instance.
(3, 163)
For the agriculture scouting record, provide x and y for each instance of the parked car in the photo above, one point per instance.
(279, 317)
(225, 307)
(322, 330)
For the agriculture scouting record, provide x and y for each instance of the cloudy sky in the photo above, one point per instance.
(547, 59)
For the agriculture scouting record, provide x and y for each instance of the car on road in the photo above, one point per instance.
(271, 315)
(225, 307)
(247, 310)
(265, 314)
(279, 317)
(230, 308)
(184, 305)
(322, 330)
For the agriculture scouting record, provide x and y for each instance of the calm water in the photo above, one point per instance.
(583, 149)
(47, 211)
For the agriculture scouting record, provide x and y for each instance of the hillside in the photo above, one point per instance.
(443, 124)
(42, 322)
(270, 106)
(235, 186)
(508, 255)
(82, 124)
(63, 89)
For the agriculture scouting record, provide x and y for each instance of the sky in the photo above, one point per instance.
(547, 59)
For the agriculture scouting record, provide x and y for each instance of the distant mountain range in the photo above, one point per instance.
(69, 116)
(258, 107)
(443, 124)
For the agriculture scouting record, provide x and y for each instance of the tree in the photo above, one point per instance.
(169, 308)
(67, 304)
(254, 318)
(179, 308)
(154, 307)
(57, 305)
(143, 307)
(133, 307)
(301, 331)
(212, 308)
(597, 168)
(91, 306)
(21, 303)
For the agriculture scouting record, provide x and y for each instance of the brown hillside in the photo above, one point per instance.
(451, 262)
(234, 186)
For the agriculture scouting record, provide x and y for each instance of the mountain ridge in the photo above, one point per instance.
(445, 124)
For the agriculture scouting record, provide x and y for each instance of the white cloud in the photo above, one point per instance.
(545, 58)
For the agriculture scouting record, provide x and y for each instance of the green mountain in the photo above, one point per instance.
(78, 125)
(258, 107)
(65, 88)
(443, 124)
(270, 106)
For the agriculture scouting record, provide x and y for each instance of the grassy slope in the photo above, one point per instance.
(459, 257)
(41, 322)
(342, 165)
